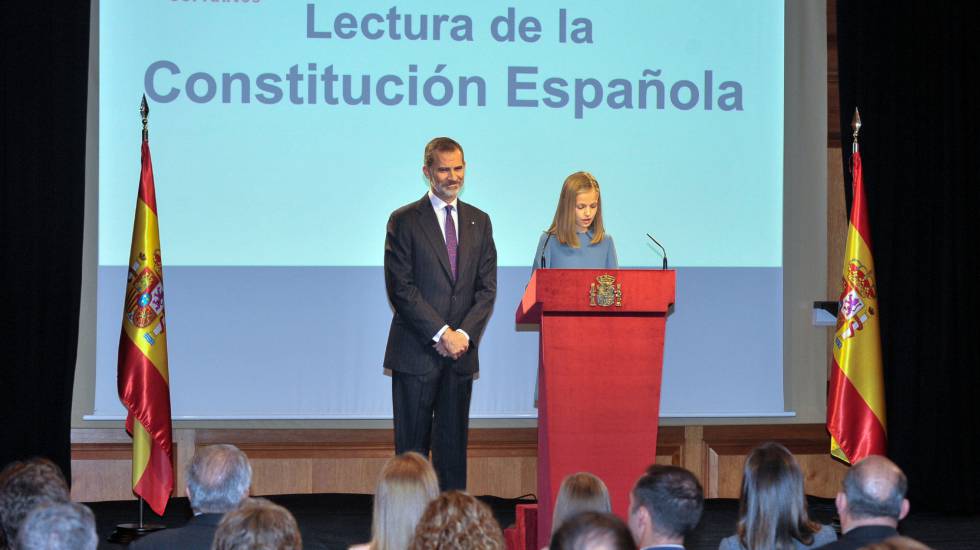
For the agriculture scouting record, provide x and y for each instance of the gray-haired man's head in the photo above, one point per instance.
(873, 494)
(218, 479)
(25, 486)
(65, 526)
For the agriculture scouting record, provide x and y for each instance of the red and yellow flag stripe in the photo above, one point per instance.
(856, 404)
(143, 378)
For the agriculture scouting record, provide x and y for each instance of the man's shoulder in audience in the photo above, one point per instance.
(198, 532)
(860, 536)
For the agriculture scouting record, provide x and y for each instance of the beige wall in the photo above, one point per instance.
(805, 209)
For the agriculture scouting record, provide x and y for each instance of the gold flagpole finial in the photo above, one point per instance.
(856, 126)
(144, 111)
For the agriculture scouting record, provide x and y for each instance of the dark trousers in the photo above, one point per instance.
(432, 410)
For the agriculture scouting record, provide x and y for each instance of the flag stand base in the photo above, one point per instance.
(128, 532)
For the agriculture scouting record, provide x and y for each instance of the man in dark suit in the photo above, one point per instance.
(218, 479)
(665, 506)
(871, 503)
(441, 276)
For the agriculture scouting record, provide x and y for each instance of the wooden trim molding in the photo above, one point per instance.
(502, 462)
(739, 440)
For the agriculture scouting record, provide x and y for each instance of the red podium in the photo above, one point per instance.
(601, 356)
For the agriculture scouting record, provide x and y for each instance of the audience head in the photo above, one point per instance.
(406, 486)
(25, 486)
(772, 508)
(457, 520)
(63, 526)
(258, 524)
(218, 478)
(592, 531)
(874, 494)
(439, 145)
(665, 505)
(579, 188)
(581, 492)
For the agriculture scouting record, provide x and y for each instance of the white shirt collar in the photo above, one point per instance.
(440, 204)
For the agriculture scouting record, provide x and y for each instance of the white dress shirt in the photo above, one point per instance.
(439, 206)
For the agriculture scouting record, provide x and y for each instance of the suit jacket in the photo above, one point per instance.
(422, 291)
(861, 536)
(198, 532)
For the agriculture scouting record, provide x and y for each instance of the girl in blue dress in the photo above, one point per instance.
(577, 238)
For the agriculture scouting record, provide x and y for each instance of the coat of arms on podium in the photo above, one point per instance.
(606, 293)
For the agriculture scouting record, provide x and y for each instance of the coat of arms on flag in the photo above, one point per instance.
(855, 306)
(144, 296)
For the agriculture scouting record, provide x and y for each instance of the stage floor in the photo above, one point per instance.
(335, 521)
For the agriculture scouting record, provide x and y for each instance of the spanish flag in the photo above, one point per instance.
(143, 379)
(856, 404)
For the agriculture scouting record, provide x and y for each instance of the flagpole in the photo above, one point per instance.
(145, 112)
(855, 125)
(856, 414)
(128, 532)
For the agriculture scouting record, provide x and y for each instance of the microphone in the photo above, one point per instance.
(543, 248)
(661, 249)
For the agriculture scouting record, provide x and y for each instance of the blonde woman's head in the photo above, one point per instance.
(581, 492)
(405, 487)
(579, 210)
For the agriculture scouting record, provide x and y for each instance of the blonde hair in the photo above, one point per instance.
(457, 520)
(258, 524)
(405, 487)
(563, 225)
(581, 492)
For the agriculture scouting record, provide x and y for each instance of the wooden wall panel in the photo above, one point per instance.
(727, 446)
(102, 467)
(670, 445)
(274, 476)
(727, 476)
(349, 475)
(502, 462)
(97, 479)
(507, 477)
(822, 475)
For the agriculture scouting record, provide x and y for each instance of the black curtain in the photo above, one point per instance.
(43, 89)
(907, 67)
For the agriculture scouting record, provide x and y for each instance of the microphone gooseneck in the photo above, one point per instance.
(662, 249)
(543, 248)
